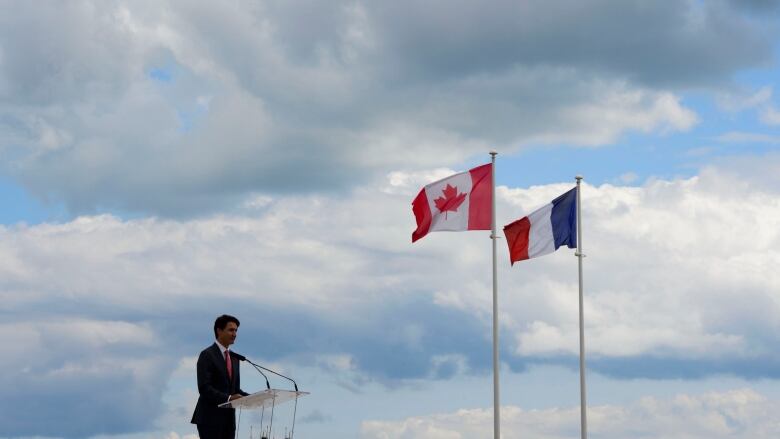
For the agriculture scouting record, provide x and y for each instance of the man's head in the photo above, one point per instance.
(226, 329)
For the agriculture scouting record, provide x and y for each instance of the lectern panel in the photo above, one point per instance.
(266, 398)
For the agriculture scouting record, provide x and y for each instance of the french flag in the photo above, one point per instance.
(544, 230)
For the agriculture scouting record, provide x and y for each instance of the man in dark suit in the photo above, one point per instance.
(219, 381)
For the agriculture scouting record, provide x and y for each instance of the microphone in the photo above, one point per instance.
(258, 367)
(240, 357)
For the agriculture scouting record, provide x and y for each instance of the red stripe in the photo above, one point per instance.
(422, 213)
(481, 198)
(517, 239)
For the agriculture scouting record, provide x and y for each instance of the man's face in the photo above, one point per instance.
(227, 336)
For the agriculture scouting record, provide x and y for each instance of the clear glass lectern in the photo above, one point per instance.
(265, 399)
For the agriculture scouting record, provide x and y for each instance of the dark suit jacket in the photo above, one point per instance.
(215, 388)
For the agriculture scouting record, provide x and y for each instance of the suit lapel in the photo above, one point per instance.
(222, 365)
(220, 360)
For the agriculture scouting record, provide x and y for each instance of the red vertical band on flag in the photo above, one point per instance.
(422, 214)
(517, 239)
(481, 198)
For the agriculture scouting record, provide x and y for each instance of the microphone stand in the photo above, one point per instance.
(258, 367)
(267, 384)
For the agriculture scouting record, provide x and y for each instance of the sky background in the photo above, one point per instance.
(164, 162)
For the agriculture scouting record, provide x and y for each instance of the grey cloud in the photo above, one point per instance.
(199, 171)
(664, 42)
(315, 416)
(284, 97)
(107, 402)
(760, 6)
(71, 390)
(74, 378)
(399, 345)
(54, 54)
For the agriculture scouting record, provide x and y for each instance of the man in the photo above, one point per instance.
(218, 382)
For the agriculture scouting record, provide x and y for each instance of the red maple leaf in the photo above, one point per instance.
(450, 201)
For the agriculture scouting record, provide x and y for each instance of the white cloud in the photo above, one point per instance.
(174, 435)
(601, 122)
(671, 265)
(741, 101)
(744, 137)
(741, 413)
(770, 116)
(761, 101)
(408, 183)
(681, 271)
(90, 336)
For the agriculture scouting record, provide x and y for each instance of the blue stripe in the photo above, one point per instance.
(564, 219)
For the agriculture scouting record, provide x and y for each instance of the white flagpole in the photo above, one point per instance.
(494, 237)
(580, 255)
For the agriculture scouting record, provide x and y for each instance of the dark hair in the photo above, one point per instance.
(222, 322)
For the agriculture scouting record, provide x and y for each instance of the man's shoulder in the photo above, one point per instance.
(209, 350)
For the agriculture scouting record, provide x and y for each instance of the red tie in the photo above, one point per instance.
(229, 364)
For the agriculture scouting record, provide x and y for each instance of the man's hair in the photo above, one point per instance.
(222, 321)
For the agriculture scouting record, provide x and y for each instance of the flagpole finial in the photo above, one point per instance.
(493, 153)
(578, 178)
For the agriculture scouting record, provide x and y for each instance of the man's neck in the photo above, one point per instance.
(221, 348)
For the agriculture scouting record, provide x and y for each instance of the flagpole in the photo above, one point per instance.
(580, 255)
(494, 237)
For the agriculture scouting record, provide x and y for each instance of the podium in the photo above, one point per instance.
(266, 399)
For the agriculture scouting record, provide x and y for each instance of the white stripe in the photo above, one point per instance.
(540, 238)
(450, 221)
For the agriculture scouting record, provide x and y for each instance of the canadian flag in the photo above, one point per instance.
(460, 202)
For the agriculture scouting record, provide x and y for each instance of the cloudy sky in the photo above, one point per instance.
(164, 162)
